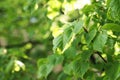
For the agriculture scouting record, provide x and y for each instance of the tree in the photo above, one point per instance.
(58, 40)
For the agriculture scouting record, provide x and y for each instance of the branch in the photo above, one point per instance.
(85, 29)
(101, 56)
(21, 44)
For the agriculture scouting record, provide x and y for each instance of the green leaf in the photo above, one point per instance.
(73, 17)
(88, 8)
(41, 61)
(85, 55)
(90, 36)
(67, 34)
(90, 75)
(55, 59)
(113, 70)
(44, 70)
(10, 66)
(77, 26)
(64, 40)
(111, 26)
(31, 6)
(70, 53)
(67, 44)
(114, 10)
(57, 42)
(46, 65)
(108, 2)
(64, 76)
(68, 69)
(80, 68)
(100, 41)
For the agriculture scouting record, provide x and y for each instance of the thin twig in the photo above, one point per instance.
(21, 44)
(101, 56)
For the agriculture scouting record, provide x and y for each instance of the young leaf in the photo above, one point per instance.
(88, 8)
(68, 69)
(85, 55)
(114, 10)
(80, 68)
(44, 70)
(55, 59)
(100, 41)
(64, 76)
(70, 53)
(9, 66)
(90, 75)
(31, 6)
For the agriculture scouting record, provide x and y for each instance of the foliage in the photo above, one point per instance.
(55, 40)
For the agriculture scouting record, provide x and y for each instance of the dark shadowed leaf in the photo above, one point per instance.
(113, 70)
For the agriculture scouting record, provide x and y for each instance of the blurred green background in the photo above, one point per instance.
(29, 30)
(25, 35)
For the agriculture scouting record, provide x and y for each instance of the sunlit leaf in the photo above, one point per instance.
(57, 42)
